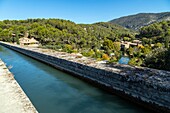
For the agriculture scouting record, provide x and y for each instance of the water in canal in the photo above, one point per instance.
(53, 91)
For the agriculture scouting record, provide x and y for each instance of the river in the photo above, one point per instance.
(53, 91)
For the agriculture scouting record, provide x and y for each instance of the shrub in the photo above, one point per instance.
(88, 53)
(135, 61)
(105, 57)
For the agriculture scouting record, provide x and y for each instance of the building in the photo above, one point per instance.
(126, 44)
(137, 41)
(25, 41)
(28, 42)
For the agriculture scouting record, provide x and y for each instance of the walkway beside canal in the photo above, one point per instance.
(12, 97)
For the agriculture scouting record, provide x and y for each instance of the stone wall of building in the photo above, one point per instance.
(148, 87)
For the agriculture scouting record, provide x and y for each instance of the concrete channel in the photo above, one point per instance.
(147, 87)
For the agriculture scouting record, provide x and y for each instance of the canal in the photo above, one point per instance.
(53, 91)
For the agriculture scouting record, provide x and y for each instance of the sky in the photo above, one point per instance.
(79, 11)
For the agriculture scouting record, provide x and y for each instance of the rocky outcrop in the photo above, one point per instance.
(145, 86)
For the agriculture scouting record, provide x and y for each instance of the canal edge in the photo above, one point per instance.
(13, 98)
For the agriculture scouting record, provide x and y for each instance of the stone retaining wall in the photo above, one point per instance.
(147, 87)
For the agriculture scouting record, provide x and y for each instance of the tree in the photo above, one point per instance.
(146, 50)
(135, 61)
(89, 53)
(116, 46)
(158, 58)
(126, 39)
(130, 51)
(167, 41)
(108, 46)
(158, 45)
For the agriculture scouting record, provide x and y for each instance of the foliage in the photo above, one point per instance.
(159, 58)
(68, 48)
(98, 54)
(65, 35)
(89, 53)
(156, 33)
(100, 40)
(154, 53)
(158, 45)
(137, 54)
(167, 41)
(135, 61)
(105, 57)
(116, 46)
(151, 31)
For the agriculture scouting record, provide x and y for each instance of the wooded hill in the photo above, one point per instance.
(99, 40)
(58, 33)
(155, 33)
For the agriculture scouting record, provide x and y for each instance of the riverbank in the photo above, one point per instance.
(147, 87)
(12, 97)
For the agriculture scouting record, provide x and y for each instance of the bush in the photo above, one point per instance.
(135, 61)
(88, 53)
(68, 48)
(98, 54)
(105, 57)
(113, 59)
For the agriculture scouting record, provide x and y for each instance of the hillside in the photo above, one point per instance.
(107, 30)
(65, 35)
(142, 19)
(156, 32)
(99, 40)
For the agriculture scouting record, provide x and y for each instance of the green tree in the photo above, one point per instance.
(116, 46)
(157, 45)
(167, 41)
(158, 58)
(135, 61)
(108, 45)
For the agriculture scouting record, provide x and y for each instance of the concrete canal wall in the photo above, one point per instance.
(12, 97)
(147, 87)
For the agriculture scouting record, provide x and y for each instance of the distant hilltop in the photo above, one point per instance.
(137, 21)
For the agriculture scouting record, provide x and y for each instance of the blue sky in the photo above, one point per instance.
(79, 11)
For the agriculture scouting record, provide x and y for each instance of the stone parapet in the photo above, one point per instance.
(12, 97)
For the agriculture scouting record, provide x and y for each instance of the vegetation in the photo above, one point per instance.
(100, 40)
(159, 58)
(90, 39)
(156, 50)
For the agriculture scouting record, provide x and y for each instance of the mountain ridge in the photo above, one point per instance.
(136, 21)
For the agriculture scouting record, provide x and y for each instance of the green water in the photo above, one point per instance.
(53, 91)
